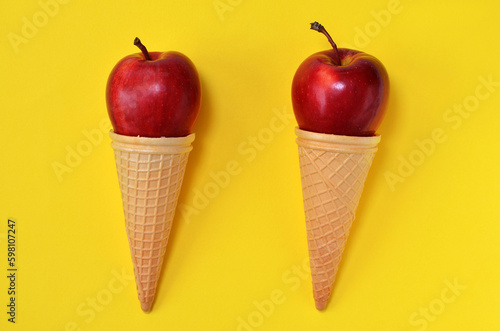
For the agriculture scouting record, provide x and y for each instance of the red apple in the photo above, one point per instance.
(153, 94)
(340, 91)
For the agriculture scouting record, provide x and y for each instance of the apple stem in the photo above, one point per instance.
(137, 42)
(320, 28)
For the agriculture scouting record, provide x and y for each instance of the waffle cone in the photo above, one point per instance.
(150, 173)
(333, 171)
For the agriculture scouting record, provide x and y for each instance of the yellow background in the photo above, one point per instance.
(423, 252)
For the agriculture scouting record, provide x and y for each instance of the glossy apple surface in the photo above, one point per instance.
(347, 99)
(160, 97)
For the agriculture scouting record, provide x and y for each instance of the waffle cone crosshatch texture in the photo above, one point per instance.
(150, 173)
(333, 171)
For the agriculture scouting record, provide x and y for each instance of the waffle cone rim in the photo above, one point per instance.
(162, 145)
(337, 143)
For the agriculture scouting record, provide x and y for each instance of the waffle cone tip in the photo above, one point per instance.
(320, 305)
(146, 306)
